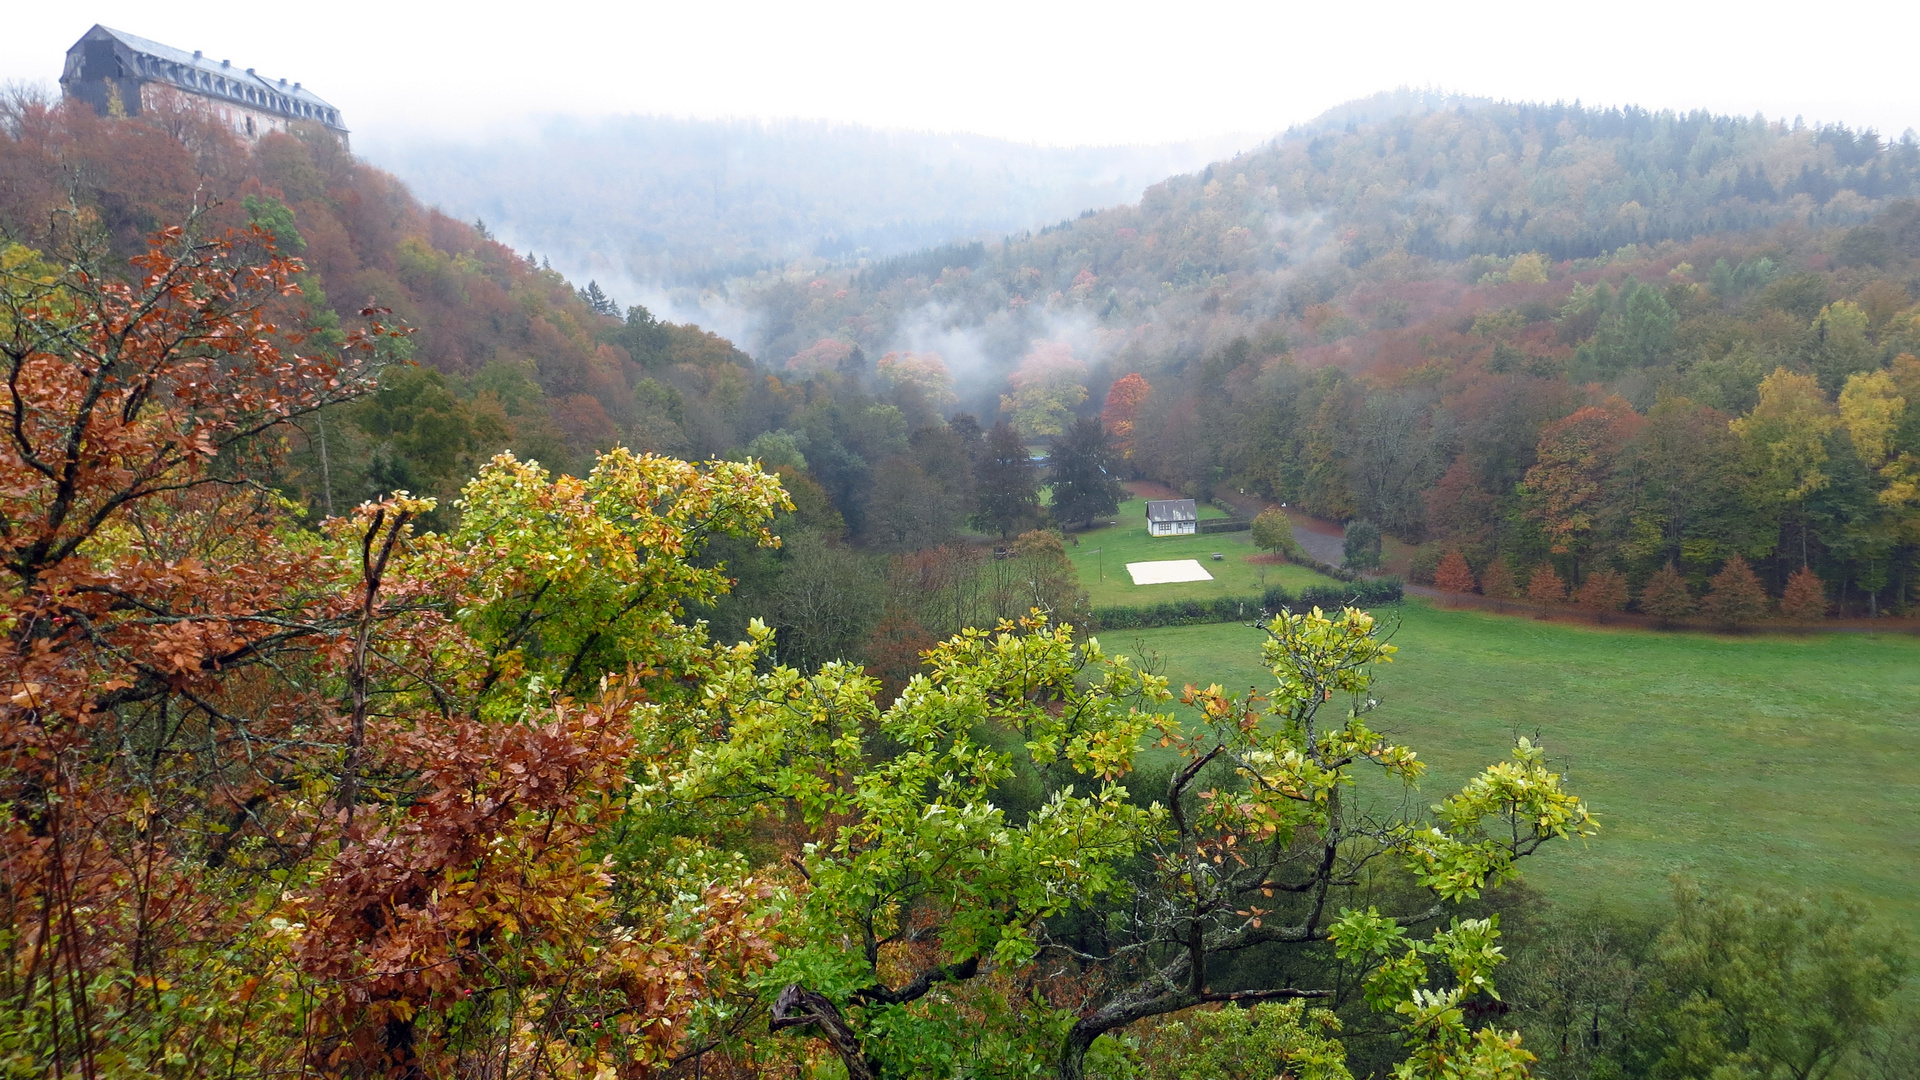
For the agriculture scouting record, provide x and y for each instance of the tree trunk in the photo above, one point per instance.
(799, 1007)
(1073, 1053)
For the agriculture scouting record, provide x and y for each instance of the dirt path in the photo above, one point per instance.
(1151, 489)
(1321, 539)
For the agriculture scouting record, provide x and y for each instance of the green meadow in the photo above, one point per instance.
(1791, 761)
(1102, 554)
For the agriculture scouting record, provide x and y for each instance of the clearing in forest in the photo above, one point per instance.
(1101, 555)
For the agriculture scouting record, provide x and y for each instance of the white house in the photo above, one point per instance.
(1172, 517)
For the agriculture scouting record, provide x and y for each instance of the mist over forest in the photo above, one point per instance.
(665, 202)
(650, 598)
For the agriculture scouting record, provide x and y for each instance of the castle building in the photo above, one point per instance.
(116, 72)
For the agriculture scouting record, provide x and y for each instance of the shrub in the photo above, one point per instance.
(1545, 586)
(1424, 564)
(1363, 593)
(1273, 1038)
(1605, 590)
(1735, 596)
(1361, 548)
(1186, 612)
(1666, 596)
(1805, 597)
(1218, 526)
(1453, 574)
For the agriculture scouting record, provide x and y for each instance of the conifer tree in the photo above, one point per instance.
(1805, 597)
(1453, 574)
(1604, 591)
(1008, 483)
(1666, 596)
(1735, 596)
(1083, 475)
(1545, 586)
(1498, 581)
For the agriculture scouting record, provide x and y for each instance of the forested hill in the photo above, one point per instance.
(509, 353)
(1609, 341)
(1699, 327)
(1264, 236)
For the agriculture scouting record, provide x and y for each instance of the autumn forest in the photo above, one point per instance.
(422, 664)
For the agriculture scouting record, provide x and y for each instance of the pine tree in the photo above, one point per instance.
(1082, 476)
(1805, 597)
(597, 299)
(1605, 591)
(1498, 581)
(1666, 596)
(1545, 586)
(1007, 482)
(1453, 574)
(1735, 596)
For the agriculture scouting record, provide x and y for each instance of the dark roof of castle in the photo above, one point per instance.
(1172, 510)
(196, 73)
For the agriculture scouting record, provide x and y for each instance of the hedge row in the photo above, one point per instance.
(1178, 613)
(1363, 593)
(1218, 526)
(1338, 573)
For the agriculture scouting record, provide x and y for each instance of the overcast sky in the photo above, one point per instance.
(1031, 70)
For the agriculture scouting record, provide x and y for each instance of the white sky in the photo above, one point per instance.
(1060, 72)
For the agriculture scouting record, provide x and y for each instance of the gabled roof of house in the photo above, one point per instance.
(1165, 510)
(198, 73)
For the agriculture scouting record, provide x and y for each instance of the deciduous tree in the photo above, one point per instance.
(151, 599)
(1575, 459)
(1261, 866)
(1122, 408)
(1048, 385)
(1763, 986)
(1786, 438)
(1273, 531)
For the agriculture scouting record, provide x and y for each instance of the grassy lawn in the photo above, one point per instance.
(1792, 761)
(1102, 555)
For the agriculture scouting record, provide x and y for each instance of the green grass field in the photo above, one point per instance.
(1791, 761)
(1102, 555)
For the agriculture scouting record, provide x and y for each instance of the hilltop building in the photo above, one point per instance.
(1172, 517)
(118, 73)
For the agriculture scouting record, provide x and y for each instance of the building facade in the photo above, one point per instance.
(120, 74)
(1172, 517)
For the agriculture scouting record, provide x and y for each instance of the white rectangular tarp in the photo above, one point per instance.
(1167, 572)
